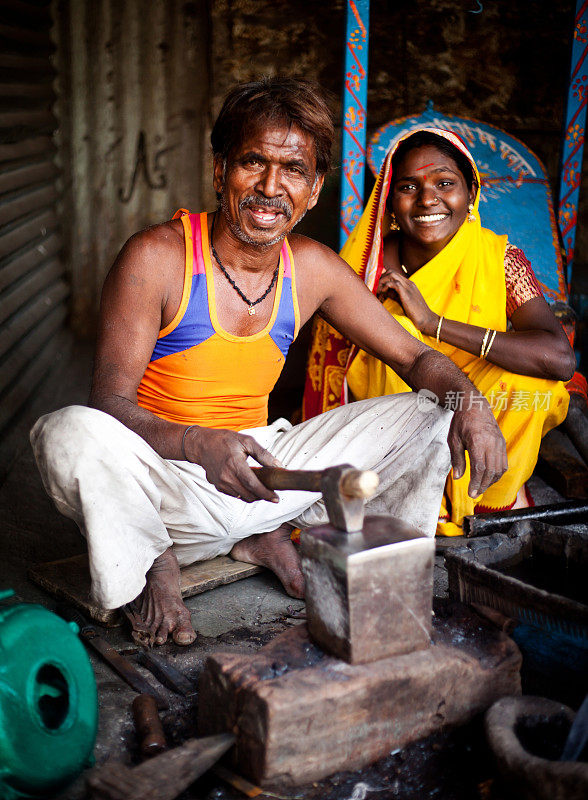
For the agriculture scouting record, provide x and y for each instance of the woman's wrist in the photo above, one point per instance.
(431, 325)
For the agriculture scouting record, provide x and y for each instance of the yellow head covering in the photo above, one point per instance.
(465, 281)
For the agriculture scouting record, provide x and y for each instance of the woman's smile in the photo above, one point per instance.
(429, 198)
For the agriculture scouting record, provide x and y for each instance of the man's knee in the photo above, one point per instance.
(60, 438)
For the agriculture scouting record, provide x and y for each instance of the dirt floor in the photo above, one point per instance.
(450, 765)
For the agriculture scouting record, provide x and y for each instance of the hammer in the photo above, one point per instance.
(343, 487)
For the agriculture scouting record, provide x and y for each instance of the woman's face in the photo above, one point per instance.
(429, 197)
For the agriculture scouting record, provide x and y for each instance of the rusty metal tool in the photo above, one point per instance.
(568, 513)
(343, 487)
(149, 728)
(121, 665)
(165, 673)
(161, 778)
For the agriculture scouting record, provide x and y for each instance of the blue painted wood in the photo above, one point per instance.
(573, 143)
(353, 146)
(515, 193)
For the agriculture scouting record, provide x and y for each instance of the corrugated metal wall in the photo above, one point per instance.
(133, 99)
(33, 290)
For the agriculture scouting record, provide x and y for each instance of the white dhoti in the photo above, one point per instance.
(132, 505)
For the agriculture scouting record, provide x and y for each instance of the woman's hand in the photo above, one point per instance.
(411, 300)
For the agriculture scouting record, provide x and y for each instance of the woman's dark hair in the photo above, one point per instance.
(275, 100)
(428, 138)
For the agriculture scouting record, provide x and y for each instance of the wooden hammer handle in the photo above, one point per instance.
(353, 482)
(305, 480)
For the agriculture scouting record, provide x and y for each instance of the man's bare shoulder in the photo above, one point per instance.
(152, 259)
(157, 244)
(309, 252)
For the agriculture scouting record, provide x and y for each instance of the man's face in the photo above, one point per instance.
(268, 184)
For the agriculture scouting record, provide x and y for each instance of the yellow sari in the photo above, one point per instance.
(464, 282)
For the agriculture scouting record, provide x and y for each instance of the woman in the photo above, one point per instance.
(463, 290)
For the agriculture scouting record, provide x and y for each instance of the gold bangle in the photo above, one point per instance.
(439, 329)
(490, 343)
(485, 339)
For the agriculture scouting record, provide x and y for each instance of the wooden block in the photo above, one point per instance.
(300, 715)
(369, 595)
(69, 579)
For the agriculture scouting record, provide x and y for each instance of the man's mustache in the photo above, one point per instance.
(267, 202)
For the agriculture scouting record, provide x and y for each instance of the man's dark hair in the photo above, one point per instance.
(424, 138)
(275, 101)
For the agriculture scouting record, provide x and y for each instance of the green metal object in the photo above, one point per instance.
(48, 702)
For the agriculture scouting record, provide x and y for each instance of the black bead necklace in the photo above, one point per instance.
(250, 303)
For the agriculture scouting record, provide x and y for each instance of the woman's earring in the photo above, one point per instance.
(394, 226)
(471, 215)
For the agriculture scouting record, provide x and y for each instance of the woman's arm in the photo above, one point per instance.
(536, 345)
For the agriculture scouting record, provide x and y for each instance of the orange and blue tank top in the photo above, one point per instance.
(199, 374)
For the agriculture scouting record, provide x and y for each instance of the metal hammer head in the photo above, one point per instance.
(345, 490)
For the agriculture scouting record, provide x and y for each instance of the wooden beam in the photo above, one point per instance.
(301, 715)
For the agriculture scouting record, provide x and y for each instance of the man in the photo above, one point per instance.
(196, 318)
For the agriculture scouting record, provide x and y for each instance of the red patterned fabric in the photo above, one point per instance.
(578, 385)
(521, 283)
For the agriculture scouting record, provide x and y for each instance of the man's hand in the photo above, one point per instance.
(223, 454)
(476, 431)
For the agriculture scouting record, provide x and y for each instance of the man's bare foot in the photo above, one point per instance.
(275, 551)
(521, 500)
(159, 609)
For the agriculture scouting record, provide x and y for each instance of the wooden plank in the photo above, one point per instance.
(36, 145)
(69, 578)
(31, 314)
(28, 258)
(29, 346)
(204, 575)
(25, 176)
(27, 288)
(301, 715)
(19, 204)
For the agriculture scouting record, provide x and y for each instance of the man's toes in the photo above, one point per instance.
(185, 634)
(162, 633)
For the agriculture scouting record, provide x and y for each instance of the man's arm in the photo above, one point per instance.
(141, 295)
(344, 301)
